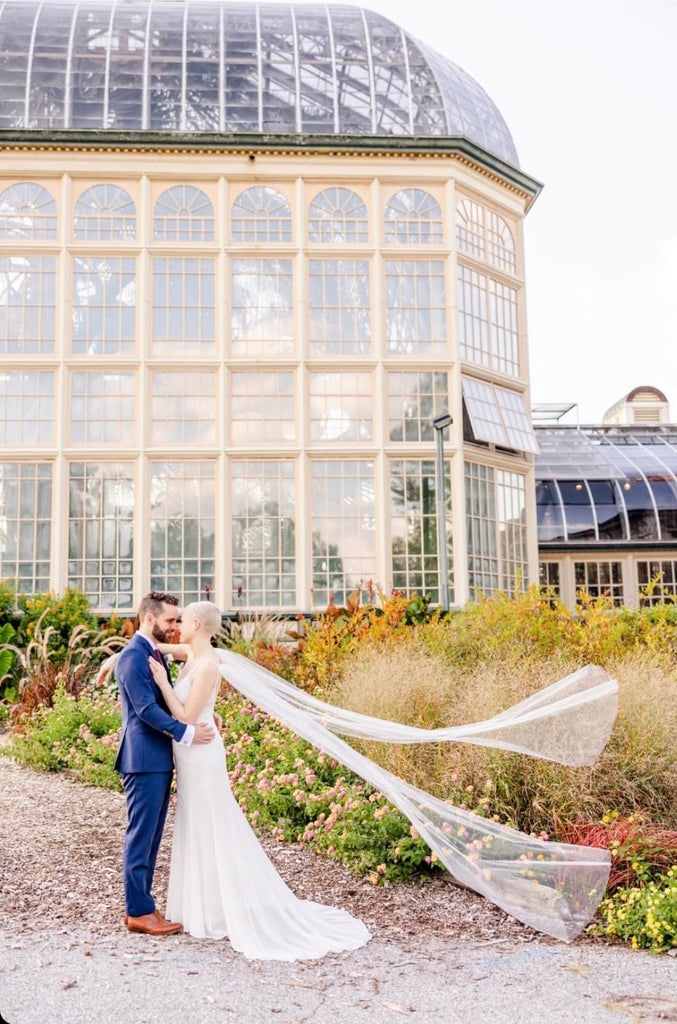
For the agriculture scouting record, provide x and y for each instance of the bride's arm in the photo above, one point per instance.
(179, 652)
(201, 686)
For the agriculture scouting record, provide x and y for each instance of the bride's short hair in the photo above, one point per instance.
(207, 614)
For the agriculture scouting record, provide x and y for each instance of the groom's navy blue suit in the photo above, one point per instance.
(145, 763)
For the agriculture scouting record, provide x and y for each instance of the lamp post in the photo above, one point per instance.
(440, 422)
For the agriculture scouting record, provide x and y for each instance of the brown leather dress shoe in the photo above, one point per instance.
(150, 924)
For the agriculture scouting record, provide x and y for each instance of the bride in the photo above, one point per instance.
(221, 883)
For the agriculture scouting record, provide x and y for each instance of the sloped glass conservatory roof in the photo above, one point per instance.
(609, 484)
(167, 65)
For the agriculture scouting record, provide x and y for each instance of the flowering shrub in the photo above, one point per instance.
(640, 850)
(644, 916)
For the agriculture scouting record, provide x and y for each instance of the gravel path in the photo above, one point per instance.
(439, 953)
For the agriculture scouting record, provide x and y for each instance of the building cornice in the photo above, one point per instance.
(215, 144)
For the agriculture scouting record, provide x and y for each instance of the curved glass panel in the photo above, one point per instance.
(640, 509)
(183, 214)
(610, 520)
(580, 519)
(549, 512)
(233, 67)
(104, 213)
(27, 210)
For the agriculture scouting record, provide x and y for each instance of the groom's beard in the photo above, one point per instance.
(159, 634)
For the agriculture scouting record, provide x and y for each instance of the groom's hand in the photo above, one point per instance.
(204, 733)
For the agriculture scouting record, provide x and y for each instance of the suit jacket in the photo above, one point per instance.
(147, 727)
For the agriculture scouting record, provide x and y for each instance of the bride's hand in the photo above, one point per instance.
(158, 673)
(106, 669)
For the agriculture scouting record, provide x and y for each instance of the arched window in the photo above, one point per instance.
(485, 235)
(413, 217)
(183, 214)
(105, 213)
(500, 243)
(337, 215)
(27, 210)
(470, 228)
(261, 214)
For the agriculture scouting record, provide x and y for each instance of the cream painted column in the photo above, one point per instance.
(383, 575)
(223, 584)
(302, 484)
(142, 472)
(60, 470)
(454, 446)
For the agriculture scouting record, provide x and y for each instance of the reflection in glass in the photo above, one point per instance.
(413, 217)
(413, 519)
(339, 307)
(578, 513)
(414, 398)
(183, 307)
(101, 532)
(261, 307)
(610, 519)
(261, 214)
(263, 542)
(183, 407)
(183, 214)
(337, 215)
(549, 512)
(343, 529)
(640, 507)
(512, 531)
(480, 512)
(182, 529)
(26, 407)
(25, 521)
(104, 306)
(600, 579)
(549, 577)
(657, 581)
(262, 407)
(415, 307)
(27, 210)
(103, 408)
(341, 406)
(27, 305)
(104, 213)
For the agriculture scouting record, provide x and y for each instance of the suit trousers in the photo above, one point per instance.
(147, 796)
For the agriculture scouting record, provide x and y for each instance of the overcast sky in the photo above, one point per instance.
(589, 93)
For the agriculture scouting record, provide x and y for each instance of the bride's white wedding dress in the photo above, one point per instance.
(221, 882)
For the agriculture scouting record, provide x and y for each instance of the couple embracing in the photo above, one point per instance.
(221, 882)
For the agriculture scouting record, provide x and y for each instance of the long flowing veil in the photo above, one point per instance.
(554, 887)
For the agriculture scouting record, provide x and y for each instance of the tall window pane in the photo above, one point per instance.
(512, 530)
(182, 526)
(27, 304)
(415, 307)
(261, 214)
(340, 307)
(413, 399)
(487, 322)
(413, 524)
(103, 408)
(262, 407)
(183, 407)
(104, 306)
(26, 407)
(263, 559)
(101, 532)
(480, 509)
(26, 524)
(343, 529)
(261, 307)
(183, 307)
(341, 406)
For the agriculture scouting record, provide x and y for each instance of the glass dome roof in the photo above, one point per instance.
(607, 484)
(191, 66)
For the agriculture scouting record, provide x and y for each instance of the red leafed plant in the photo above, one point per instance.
(640, 849)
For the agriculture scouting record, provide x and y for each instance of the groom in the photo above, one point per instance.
(145, 760)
